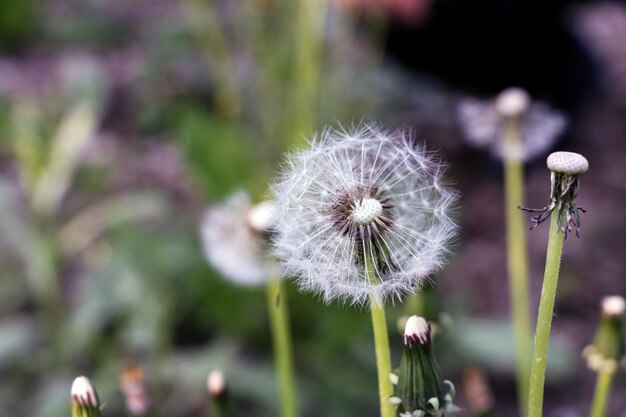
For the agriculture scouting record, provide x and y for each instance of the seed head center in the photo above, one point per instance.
(366, 211)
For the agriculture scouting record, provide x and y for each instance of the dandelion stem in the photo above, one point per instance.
(383, 356)
(517, 258)
(544, 318)
(279, 323)
(601, 394)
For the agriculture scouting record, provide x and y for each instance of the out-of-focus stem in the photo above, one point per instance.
(544, 318)
(517, 257)
(279, 324)
(601, 394)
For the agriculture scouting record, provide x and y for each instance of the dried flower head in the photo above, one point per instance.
(566, 169)
(483, 122)
(233, 239)
(362, 214)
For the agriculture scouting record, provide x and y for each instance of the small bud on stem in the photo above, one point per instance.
(222, 405)
(421, 388)
(85, 401)
(608, 346)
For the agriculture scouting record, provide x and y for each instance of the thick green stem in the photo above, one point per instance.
(383, 359)
(383, 356)
(544, 318)
(601, 394)
(279, 323)
(517, 258)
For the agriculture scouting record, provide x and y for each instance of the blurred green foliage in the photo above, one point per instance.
(17, 23)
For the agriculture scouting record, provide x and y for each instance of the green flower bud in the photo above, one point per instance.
(421, 389)
(85, 401)
(608, 345)
(220, 396)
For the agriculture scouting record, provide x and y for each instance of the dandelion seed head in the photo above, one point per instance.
(512, 102)
(366, 211)
(362, 214)
(569, 163)
(233, 239)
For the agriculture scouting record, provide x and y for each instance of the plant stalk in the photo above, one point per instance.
(283, 358)
(544, 318)
(517, 258)
(383, 355)
(601, 394)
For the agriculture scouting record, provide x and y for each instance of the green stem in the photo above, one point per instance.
(383, 356)
(279, 323)
(601, 394)
(544, 318)
(517, 258)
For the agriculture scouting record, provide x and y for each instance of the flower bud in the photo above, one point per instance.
(421, 389)
(220, 397)
(85, 401)
(608, 346)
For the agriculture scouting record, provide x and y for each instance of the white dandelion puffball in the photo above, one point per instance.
(362, 215)
(233, 243)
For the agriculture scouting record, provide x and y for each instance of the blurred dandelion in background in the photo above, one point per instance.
(233, 238)
(361, 201)
(482, 124)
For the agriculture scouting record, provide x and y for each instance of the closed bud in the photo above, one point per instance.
(608, 346)
(421, 389)
(220, 397)
(85, 401)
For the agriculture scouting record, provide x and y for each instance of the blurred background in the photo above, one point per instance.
(121, 121)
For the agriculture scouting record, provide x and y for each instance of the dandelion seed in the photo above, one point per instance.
(362, 214)
(233, 239)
